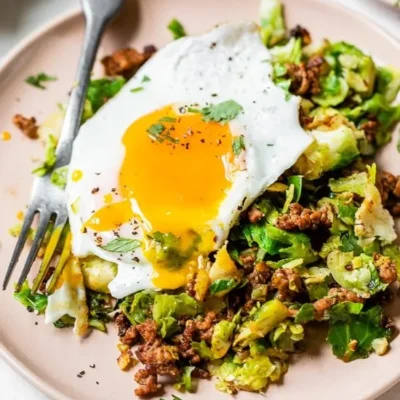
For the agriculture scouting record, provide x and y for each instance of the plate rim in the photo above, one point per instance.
(6, 354)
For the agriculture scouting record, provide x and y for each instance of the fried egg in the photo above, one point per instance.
(153, 185)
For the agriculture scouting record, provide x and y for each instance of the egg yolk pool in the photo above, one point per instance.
(175, 175)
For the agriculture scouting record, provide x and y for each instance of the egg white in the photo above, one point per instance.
(230, 61)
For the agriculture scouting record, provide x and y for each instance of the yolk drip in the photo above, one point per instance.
(6, 136)
(175, 171)
(77, 175)
(110, 217)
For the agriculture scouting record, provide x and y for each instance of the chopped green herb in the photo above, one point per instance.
(59, 176)
(238, 145)
(145, 79)
(121, 245)
(194, 110)
(155, 131)
(167, 119)
(37, 80)
(137, 89)
(177, 29)
(49, 159)
(175, 397)
(222, 112)
(398, 144)
(101, 90)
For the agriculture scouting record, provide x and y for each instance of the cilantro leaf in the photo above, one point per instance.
(221, 285)
(49, 158)
(59, 176)
(101, 90)
(238, 145)
(33, 302)
(353, 338)
(145, 79)
(349, 243)
(121, 245)
(176, 29)
(222, 112)
(305, 314)
(39, 79)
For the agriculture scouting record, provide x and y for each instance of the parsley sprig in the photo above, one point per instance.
(222, 112)
(176, 29)
(39, 79)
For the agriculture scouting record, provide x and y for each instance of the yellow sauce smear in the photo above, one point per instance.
(6, 136)
(175, 170)
(77, 175)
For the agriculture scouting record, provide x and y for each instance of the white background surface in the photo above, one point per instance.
(18, 18)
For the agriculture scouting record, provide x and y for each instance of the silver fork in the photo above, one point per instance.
(48, 200)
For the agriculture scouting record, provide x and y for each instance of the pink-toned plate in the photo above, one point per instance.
(52, 358)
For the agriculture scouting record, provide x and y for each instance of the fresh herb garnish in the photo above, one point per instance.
(160, 133)
(167, 119)
(194, 110)
(176, 29)
(137, 89)
(238, 145)
(398, 144)
(101, 90)
(145, 79)
(49, 159)
(222, 112)
(39, 79)
(155, 131)
(121, 245)
(59, 176)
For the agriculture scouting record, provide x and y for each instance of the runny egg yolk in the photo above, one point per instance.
(175, 170)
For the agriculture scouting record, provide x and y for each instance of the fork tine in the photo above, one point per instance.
(20, 244)
(50, 249)
(41, 231)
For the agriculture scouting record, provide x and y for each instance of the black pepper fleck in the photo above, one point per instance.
(92, 366)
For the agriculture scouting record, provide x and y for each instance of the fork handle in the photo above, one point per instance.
(95, 25)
